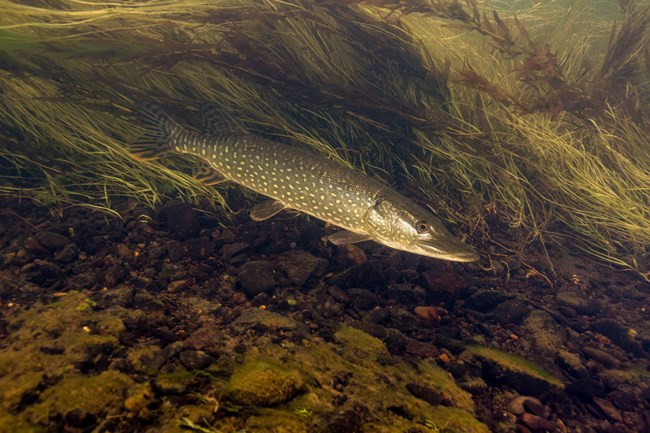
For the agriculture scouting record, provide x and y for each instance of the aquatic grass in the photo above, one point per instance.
(536, 121)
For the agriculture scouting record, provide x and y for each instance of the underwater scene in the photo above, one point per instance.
(325, 216)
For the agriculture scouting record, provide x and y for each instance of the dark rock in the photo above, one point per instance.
(156, 253)
(115, 275)
(256, 277)
(200, 248)
(572, 297)
(624, 400)
(229, 251)
(442, 286)
(601, 356)
(329, 308)
(534, 406)
(123, 251)
(485, 301)
(180, 218)
(42, 271)
(420, 349)
(362, 299)
(52, 241)
(176, 286)
(300, 266)
(348, 421)
(338, 294)
(195, 359)
(516, 405)
(430, 395)
(403, 320)
(511, 311)
(68, 254)
(207, 339)
(368, 275)
(32, 245)
(536, 423)
(619, 336)
(175, 250)
(265, 320)
(608, 409)
(373, 329)
(458, 369)
(85, 280)
(586, 388)
(395, 340)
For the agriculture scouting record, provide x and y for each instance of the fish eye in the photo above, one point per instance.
(421, 226)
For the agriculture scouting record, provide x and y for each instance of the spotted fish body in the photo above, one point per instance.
(298, 179)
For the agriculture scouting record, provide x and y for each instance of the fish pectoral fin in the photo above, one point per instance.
(206, 174)
(345, 237)
(266, 209)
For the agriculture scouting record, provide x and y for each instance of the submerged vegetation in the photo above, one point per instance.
(536, 116)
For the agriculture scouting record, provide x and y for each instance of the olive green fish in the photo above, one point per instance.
(298, 179)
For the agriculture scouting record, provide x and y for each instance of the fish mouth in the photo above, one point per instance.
(453, 250)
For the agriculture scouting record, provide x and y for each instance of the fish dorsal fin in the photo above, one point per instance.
(266, 209)
(206, 174)
(345, 237)
(218, 121)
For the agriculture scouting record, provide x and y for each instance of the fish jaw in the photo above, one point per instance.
(448, 249)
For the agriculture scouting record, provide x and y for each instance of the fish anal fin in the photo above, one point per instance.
(217, 120)
(206, 174)
(345, 237)
(266, 209)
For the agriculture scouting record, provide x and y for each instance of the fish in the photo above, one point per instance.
(296, 178)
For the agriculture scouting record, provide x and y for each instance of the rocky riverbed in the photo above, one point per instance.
(178, 320)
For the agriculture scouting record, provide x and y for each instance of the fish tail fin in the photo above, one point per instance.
(159, 128)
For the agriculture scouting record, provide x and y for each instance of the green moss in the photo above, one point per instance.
(86, 304)
(452, 420)
(260, 383)
(10, 423)
(360, 342)
(514, 362)
(440, 379)
(78, 396)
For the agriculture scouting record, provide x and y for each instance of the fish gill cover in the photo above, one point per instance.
(529, 115)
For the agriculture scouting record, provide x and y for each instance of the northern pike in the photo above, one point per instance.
(295, 178)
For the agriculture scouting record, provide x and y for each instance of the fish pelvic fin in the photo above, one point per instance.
(159, 128)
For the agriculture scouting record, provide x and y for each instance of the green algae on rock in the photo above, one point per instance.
(261, 383)
(525, 376)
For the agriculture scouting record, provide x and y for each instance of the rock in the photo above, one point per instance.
(608, 409)
(348, 421)
(123, 251)
(256, 277)
(300, 266)
(586, 388)
(353, 254)
(175, 250)
(537, 423)
(516, 405)
(176, 286)
(255, 317)
(200, 248)
(572, 297)
(337, 294)
(619, 336)
(114, 275)
(485, 301)
(195, 359)
(368, 275)
(403, 320)
(442, 286)
(430, 395)
(229, 251)
(42, 271)
(511, 311)
(373, 329)
(32, 245)
(180, 218)
(257, 383)
(429, 316)
(524, 376)
(420, 349)
(68, 254)
(52, 241)
(362, 299)
(601, 356)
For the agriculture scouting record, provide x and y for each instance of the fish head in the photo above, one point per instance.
(401, 224)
